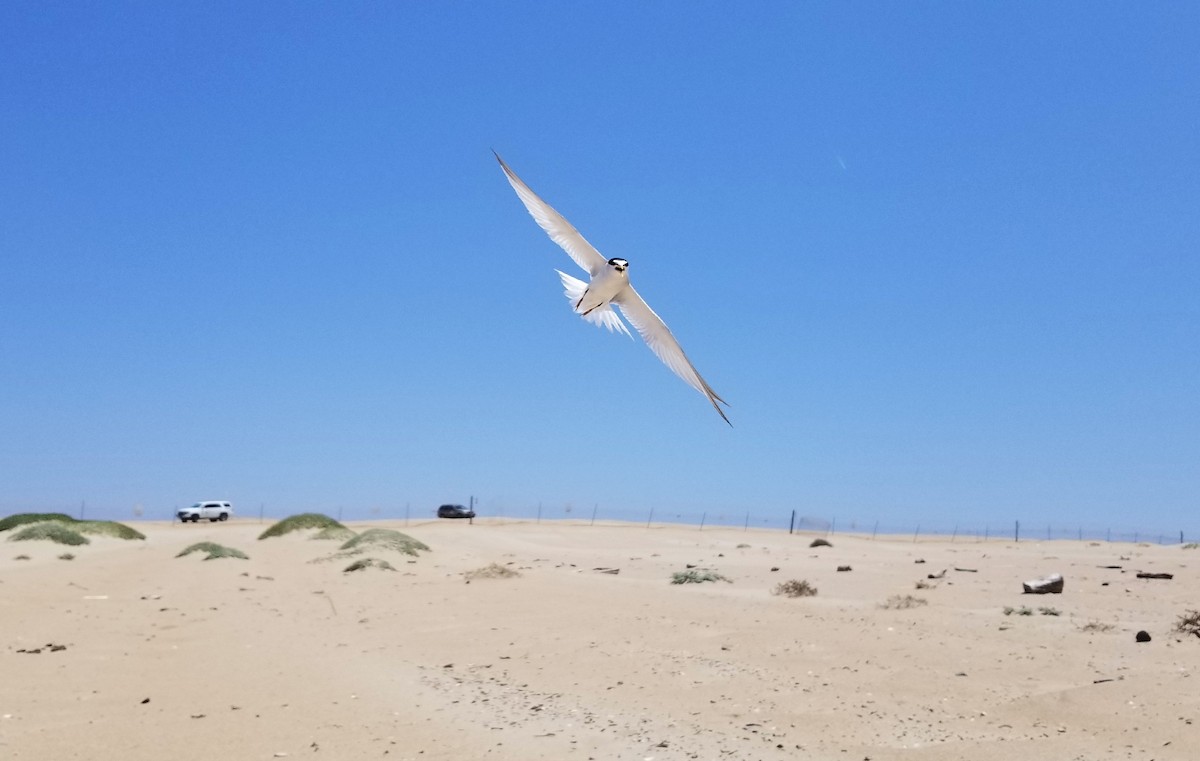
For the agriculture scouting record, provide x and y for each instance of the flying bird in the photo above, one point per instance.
(609, 285)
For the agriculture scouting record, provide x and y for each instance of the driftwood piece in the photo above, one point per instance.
(967, 570)
(1144, 575)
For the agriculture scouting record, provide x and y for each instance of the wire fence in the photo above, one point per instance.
(774, 520)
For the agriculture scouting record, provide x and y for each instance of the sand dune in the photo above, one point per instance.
(276, 656)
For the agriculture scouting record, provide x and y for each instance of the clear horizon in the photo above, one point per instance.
(940, 260)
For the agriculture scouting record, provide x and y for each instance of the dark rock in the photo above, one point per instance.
(1143, 636)
(843, 568)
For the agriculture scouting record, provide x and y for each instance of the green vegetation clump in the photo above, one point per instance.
(214, 551)
(696, 576)
(20, 519)
(384, 539)
(903, 602)
(66, 556)
(1096, 626)
(107, 528)
(492, 571)
(359, 565)
(1191, 545)
(52, 531)
(1021, 611)
(795, 588)
(299, 523)
(335, 533)
(1049, 611)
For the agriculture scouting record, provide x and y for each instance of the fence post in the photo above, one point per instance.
(832, 526)
(747, 526)
(875, 531)
(650, 518)
(702, 517)
(916, 532)
(955, 534)
(1017, 532)
(792, 527)
(595, 507)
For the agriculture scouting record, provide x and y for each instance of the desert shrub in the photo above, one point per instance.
(903, 602)
(21, 557)
(53, 531)
(795, 588)
(365, 563)
(20, 519)
(1045, 611)
(107, 528)
(922, 584)
(1021, 611)
(214, 551)
(492, 571)
(334, 533)
(1191, 545)
(1096, 626)
(299, 523)
(1189, 623)
(66, 556)
(820, 543)
(696, 576)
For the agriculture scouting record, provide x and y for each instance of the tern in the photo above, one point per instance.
(609, 285)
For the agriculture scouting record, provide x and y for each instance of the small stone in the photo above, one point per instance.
(1143, 636)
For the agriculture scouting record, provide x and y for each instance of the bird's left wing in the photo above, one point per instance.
(662, 342)
(555, 225)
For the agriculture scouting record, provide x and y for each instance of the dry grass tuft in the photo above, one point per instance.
(696, 576)
(334, 533)
(214, 551)
(1189, 623)
(107, 528)
(903, 602)
(492, 571)
(795, 588)
(1096, 626)
(365, 563)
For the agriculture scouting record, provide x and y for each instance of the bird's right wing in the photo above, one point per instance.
(662, 342)
(555, 225)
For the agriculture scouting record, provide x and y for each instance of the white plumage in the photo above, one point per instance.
(610, 285)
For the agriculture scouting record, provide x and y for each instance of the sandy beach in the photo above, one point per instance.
(143, 655)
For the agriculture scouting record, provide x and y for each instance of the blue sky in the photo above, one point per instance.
(940, 258)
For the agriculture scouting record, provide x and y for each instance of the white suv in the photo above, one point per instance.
(214, 511)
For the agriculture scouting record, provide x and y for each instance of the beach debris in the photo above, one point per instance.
(918, 561)
(612, 571)
(1052, 584)
(774, 568)
(1147, 575)
(145, 701)
(937, 575)
(363, 564)
(1142, 636)
(967, 570)
(843, 568)
(48, 646)
(1111, 567)
(819, 543)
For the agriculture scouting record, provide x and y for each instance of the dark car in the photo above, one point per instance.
(455, 511)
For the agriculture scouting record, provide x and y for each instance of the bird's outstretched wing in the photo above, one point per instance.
(555, 225)
(658, 337)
